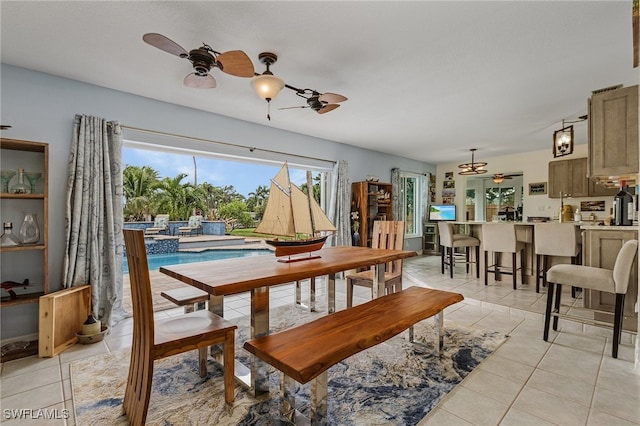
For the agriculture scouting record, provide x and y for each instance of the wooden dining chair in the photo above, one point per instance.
(156, 339)
(387, 234)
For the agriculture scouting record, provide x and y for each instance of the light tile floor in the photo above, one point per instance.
(571, 380)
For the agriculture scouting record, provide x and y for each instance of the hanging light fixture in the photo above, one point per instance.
(498, 178)
(563, 138)
(267, 85)
(563, 141)
(472, 168)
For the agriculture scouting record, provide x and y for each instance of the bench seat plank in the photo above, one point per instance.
(305, 351)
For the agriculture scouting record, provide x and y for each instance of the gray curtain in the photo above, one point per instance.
(395, 187)
(340, 205)
(94, 217)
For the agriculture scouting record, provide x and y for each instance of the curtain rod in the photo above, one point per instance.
(250, 148)
(415, 173)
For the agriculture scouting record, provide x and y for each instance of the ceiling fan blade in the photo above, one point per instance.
(327, 108)
(163, 43)
(295, 107)
(236, 62)
(200, 81)
(331, 98)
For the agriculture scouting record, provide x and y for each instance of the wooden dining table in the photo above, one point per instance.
(256, 274)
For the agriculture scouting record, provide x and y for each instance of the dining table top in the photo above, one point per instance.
(237, 275)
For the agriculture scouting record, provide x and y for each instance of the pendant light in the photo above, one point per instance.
(472, 168)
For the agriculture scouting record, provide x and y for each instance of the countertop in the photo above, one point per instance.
(587, 226)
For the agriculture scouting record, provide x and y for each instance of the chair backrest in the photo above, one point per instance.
(445, 232)
(557, 239)
(143, 325)
(195, 221)
(161, 221)
(389, 234)
(623, 265)
(499, 237)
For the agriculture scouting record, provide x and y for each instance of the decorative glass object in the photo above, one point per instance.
(8, 239)
(29, 230)
(33, 178)
(21, 187)
(6, 176)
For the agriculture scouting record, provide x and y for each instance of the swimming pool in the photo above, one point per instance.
(157, 260)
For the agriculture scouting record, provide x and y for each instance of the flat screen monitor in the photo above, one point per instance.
(442, 212)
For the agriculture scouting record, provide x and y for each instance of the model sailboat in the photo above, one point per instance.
(291, 213)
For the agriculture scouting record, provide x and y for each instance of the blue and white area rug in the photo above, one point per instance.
(392, 383)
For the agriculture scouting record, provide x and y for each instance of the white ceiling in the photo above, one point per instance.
(425, 80)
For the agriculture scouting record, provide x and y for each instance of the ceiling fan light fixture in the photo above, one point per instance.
(267, 86)
(472, 168)
(498, 179)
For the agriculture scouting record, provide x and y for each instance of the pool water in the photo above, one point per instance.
(157, 260)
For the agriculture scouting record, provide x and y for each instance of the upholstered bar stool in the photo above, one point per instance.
(554, 239)
(501, 238)
(614, 281)
(449, 241)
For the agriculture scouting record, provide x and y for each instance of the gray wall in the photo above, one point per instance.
(41, 107)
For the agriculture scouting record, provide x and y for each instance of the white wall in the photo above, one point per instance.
(534, 166)
(41, 107)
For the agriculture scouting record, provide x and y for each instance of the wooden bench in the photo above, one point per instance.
(305, 353)
(191, 298)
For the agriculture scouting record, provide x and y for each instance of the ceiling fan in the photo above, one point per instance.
(500, 177)
(319, 102)
(203, 58)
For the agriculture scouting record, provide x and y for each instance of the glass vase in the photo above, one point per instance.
(29, 230)
(33, 178)
(6, 176)
(21, 187)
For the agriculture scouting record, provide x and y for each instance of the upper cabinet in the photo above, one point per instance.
(613, 134)
(570, 178)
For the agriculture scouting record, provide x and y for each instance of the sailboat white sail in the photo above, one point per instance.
(291, 213)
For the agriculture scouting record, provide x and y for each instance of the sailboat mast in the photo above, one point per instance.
(309, 195)
(293, 218)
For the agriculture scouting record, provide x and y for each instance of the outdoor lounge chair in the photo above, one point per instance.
(161, 224)
(195, 224)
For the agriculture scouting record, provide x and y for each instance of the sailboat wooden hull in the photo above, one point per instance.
(293, 247)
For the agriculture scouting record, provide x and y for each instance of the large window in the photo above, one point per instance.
(411, 203)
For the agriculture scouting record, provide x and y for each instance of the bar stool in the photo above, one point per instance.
(554, 239)
(614, 281)
(449, 240)
(501, 238)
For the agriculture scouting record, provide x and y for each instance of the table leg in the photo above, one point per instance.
(378, 280)
(259, 328)
(331, 293)
(216, 306)
(312, 295)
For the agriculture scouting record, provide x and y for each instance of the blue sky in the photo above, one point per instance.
(245, 177)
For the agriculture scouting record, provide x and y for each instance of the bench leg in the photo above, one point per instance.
(439, 323)
(318, 400)
(288, 393)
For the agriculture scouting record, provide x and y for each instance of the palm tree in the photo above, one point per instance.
(178, 199)
(138, 184)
